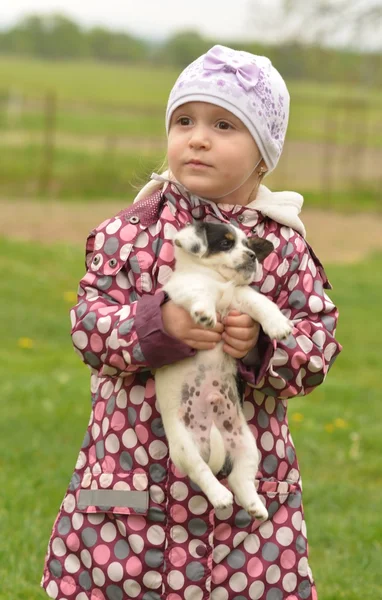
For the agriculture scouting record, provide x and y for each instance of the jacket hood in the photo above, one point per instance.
(282, 207)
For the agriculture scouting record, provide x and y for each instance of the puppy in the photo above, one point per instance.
(198, 397)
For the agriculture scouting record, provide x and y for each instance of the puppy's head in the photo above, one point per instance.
(223, 248)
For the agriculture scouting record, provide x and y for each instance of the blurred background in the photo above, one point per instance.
(83, 90)
(82, 95)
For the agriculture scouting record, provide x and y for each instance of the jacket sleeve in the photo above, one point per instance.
(113, 330)
(298, 364)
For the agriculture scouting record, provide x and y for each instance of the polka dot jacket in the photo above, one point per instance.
(130, 525)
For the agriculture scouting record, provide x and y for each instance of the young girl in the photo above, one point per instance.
(131, 526)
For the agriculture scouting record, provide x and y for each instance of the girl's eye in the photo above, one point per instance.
(224, 125)
(184, 121)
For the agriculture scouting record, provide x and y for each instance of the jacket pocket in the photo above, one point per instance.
(275, 493)
(118, 493)
(273, 488)
(281, 499)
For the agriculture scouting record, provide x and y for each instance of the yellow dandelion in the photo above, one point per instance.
(297, 417)
(340, 423)
(70, 297)
(25, 342)
(329, 427)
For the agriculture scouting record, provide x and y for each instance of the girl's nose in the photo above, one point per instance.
(199, 138)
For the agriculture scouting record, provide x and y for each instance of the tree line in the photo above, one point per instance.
(56, 37)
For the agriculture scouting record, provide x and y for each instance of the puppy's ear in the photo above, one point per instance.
(192, 240)
(262, 248)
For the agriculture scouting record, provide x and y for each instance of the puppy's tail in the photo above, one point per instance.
(217, 453)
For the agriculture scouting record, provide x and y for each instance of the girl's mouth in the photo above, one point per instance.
(197, 164)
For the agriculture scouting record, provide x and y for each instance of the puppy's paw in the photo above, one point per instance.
(257, 510)
(278, 328)
(204, 316)
(221, 498)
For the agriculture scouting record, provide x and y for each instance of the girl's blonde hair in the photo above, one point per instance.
(153, 186)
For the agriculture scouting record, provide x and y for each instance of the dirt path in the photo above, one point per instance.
(336, 238)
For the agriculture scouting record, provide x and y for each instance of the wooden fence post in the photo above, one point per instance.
(50, 107)
(358, 145)
(13, 107)
(329, 148)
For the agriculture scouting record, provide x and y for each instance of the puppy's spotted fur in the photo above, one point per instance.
(198, 397)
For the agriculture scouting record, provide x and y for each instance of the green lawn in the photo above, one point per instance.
(104, 112)
(89, 93)
(89, 81)
(75, 173)
(88, 175)
(127, 85)
(45, 408)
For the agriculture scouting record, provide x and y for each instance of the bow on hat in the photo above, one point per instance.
(246, 73)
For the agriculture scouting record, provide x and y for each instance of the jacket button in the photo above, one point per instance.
(113, 262)
(240, 218)
(201, 550)
(254, 230)
(134, 220)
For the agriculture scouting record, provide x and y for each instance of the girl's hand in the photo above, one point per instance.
(178, 323)
(240, 335)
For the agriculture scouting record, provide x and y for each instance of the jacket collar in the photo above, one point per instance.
(282, 207)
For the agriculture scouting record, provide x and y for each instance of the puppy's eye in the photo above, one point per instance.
(226, 244)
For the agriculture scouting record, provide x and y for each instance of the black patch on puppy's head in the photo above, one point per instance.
(219, 237)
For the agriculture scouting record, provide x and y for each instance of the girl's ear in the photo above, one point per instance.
(262, 248)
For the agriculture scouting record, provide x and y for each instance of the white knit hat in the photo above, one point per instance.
(245, 84)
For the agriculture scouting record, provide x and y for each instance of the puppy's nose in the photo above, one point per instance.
(251, 256)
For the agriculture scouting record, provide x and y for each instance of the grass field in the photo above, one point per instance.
(75, 173)
(102, 174)
(88, 93)
(45, 408)
(107, 132)
(126, 85)
(311, 118)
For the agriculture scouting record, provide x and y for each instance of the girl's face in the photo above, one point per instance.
(211, 152)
